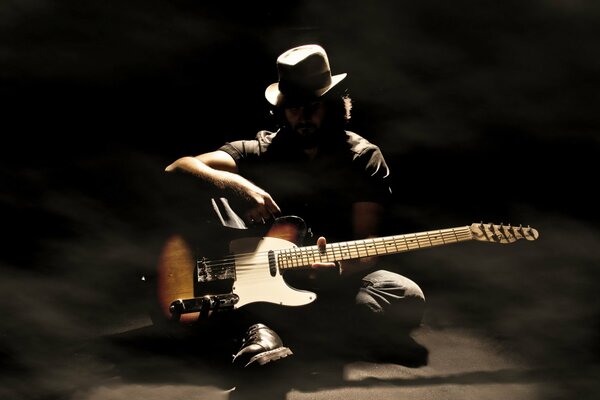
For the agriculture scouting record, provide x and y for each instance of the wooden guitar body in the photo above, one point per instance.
(249, 273)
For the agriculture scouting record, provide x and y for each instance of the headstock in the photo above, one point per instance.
(502, 233)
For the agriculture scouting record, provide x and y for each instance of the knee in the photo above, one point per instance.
(392, 295)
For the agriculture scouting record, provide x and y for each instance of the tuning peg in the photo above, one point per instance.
(495, 235)
(509, 232)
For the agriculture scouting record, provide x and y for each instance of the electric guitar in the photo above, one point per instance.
(192, 287)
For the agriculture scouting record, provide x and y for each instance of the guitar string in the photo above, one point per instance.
(412, 236)
(298, 255)
(375, 244)
(314, 253)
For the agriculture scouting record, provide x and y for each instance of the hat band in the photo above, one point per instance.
(305, 84)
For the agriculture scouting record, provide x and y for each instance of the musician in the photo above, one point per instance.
(333, 178)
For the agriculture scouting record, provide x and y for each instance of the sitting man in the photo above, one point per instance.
(333, 178)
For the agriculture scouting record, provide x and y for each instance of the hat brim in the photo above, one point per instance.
(276, 98)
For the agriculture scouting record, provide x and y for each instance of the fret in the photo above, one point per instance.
(366, 248)
(421, 238)
(401, 238)
(320, 255)
(413, 241)
(331, 252)
(357, 249)
(312, 253)
(442, 236)
(429, 238)
(305, 256)
(434, 237)
(333, 246)
(347, 252)
(281, 260)
(395, 244)
(293, 257)
(288, 258)
(390, 243)
(454, 231)
(374, 245)
(298, 252)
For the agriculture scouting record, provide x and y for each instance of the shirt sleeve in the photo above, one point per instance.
(241, 150)
(373, 183)
(249, 150)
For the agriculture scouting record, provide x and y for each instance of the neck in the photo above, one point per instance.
(311, 153)
(303, 257)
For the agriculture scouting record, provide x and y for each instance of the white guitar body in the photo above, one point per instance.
(254, 282)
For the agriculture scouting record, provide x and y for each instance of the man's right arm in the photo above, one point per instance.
(220, 170)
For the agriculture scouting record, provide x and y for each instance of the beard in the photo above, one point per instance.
(308, 134)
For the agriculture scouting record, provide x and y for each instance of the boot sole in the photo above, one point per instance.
(271, 355)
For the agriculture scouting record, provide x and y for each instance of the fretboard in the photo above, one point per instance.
(303, 257)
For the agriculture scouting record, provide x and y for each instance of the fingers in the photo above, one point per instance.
(254, 217)
(263, 211)
(271, 206)
(322, 246)
(324, 265)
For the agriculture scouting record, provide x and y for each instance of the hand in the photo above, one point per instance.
(321, 245)
(261, 206)
(323, 269)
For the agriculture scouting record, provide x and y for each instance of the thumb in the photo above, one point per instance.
(321, 244)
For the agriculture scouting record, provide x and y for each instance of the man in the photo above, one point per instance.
(335, 179)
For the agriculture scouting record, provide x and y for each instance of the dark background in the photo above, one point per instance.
(485, 110)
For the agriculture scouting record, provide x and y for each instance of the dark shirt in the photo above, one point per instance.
(347, 169)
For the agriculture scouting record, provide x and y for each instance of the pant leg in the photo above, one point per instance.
(389, 306)
(392, 299)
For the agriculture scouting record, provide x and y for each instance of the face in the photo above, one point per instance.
(306, 120)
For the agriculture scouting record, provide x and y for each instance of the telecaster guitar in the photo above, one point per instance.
(190, 287)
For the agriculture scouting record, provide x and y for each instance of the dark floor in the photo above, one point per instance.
(516, 321)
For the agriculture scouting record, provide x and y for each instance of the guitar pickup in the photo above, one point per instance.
(203, 304)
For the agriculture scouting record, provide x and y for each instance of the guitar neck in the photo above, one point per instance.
(303, 257)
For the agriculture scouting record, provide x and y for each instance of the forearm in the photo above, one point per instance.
(219, 179)
(258, 204)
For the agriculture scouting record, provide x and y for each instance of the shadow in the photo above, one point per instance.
(153, 356)
(172, 354)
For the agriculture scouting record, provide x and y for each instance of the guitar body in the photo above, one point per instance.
(248, 272)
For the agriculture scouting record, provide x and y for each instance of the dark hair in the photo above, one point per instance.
(338, 111)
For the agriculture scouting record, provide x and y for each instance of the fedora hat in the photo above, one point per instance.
(304, 75)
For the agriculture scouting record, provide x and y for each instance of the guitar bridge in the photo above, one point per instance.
(208, 271)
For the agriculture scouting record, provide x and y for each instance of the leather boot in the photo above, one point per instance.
(261, 344)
